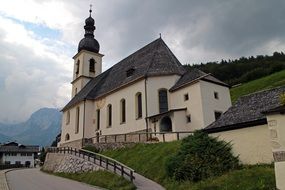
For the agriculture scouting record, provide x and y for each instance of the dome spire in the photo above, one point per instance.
(89, 42)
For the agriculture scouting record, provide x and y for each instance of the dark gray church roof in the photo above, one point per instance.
(154, 59)
(194, 75)
(248, 110)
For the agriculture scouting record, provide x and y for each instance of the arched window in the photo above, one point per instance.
(109, 115)
(92, 65)
(123, 110)
(67, 117)
(67, 137)
(77, 66)
(139, 105)
(163, 102)
(77, 120)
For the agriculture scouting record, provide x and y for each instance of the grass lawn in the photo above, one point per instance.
(271, 81)
(149, 160)
(102, 179)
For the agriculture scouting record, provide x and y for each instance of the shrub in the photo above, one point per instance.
(91, 148)
(201, 157)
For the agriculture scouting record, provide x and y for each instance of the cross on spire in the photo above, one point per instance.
(90, 10)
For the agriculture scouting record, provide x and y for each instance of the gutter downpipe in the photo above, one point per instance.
(145, 91)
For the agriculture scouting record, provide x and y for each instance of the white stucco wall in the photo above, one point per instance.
(132, 123)
(210, 104)
(71, 126)
(154, 84)
(252, 144)
(193, 105)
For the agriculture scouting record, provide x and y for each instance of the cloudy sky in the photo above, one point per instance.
(39, 37)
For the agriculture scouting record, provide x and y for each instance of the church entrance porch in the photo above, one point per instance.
(165, 124)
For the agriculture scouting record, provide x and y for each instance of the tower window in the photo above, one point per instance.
(188, 118)
(216, 95)
(163, 101)
(92, 65)
(77, 66)
(98, 119)
(123, 111)
(138, 105)
(67, 137)
(109, 115)
(186, 97)
(217, 114)
(67, 117)
(130, 72)
(77, 120)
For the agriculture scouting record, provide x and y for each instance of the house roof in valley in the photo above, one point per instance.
(14, 147)
(248, 111)
(154, 59)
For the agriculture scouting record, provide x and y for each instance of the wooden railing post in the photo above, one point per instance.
(122, 171)
(163, 137)
(139, 137)
(125, 137)
(105, 138)
(100, 160)
(107, 163)
(131, 176)
(115, 138)
(177, 134)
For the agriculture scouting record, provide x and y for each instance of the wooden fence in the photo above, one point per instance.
(138, 137)
(98, 159)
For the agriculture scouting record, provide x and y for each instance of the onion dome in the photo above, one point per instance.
(89, 43)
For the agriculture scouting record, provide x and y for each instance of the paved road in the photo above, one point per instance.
(34, 179)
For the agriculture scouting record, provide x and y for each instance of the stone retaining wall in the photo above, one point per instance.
(57, 162)
(111, 146)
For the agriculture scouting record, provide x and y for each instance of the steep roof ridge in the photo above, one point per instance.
(153, 56)
(173, 57)
(141, 49)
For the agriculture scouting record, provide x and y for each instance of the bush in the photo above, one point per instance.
(91, 148)
(201, 157)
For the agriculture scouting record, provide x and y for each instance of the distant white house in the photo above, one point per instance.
(14, 153)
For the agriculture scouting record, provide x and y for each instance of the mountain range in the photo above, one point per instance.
(40, 129)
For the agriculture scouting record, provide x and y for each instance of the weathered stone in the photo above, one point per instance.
(56, 162)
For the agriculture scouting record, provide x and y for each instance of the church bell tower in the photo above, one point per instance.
(88, 60)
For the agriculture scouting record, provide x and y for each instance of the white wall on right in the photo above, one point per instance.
(251, 144)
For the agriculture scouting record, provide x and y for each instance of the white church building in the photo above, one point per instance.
(149, 90)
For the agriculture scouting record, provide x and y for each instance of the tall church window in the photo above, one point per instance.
(77, 120)
(98, 119)
(67, 137)
(138, 105)
(77, 66)
(67, 117)
(109, 115)
(123, 110)
(92, 65)
(163, 102)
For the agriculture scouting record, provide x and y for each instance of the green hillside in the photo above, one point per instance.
(270, 81)
(149, 160)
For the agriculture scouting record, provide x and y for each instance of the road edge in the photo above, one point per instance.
(3, 180)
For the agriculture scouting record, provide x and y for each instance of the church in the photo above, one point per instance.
(148, 91)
